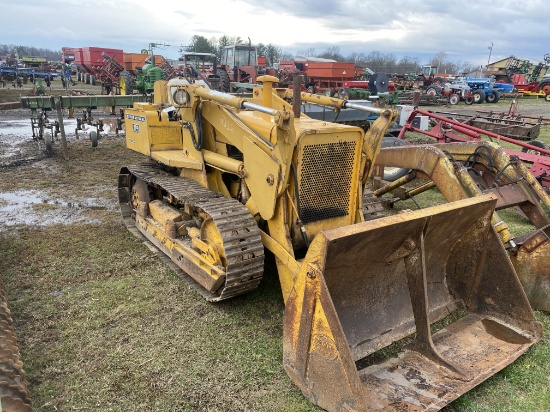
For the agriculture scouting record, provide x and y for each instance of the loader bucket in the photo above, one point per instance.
(531, 257)
(532, 264)
(364, 287)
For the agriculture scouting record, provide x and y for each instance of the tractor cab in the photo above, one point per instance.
(200, 66)
(239, 55)
(240, 63)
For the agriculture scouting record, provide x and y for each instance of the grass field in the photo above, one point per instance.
(104, 325)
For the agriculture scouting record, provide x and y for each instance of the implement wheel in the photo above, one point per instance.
(48, 142)
(93, 138)
(343, 93)
(535, 143)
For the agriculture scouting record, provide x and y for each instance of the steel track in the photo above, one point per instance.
(242, 243)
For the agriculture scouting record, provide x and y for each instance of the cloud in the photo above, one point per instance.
(463, 29)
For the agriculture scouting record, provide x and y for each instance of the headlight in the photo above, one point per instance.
(181, 97)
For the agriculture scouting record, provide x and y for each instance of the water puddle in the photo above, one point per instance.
(14, 133)
(38, 209)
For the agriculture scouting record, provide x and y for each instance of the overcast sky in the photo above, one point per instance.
(464, 29)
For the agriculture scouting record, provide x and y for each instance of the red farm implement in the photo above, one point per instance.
(447, 130)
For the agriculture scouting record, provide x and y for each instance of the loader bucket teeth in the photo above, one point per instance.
(532, 264)
(394, 281)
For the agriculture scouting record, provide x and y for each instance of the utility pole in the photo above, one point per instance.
(490, 51)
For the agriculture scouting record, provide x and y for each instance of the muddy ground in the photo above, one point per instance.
(140, 345)
(27, 168)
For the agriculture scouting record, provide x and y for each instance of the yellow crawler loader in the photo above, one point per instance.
(227, 177)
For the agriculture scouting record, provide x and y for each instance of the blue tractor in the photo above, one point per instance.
(482, 89)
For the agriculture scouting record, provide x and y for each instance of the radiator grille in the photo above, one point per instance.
(325, 180)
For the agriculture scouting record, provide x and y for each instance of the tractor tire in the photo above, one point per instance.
(434, 90)
(438, 80)
(92, 80)
(87, 78)
(225, 83)
(329, 92)
(535, 143)
(125, 83)
(479, 96)
(493, 97)
(502, 79)
(544, 86)
(393, 173)
(454, 99)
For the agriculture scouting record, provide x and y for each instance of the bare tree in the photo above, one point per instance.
(439, 60)
(407, 65)
(306, 52)
(465, 67)
(333, 53)
(360, 59)
(381, 63)
(286, 56)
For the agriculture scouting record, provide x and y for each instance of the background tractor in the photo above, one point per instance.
(143, 82)
(200, 66)
(145, 76)
(239, 67)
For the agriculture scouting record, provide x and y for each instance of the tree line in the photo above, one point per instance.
(375, 60)
(9, 51)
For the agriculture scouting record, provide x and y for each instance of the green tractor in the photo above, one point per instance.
(143, 82)
(145, 76)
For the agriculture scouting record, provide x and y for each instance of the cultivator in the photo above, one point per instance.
(514, 127)
(109, 73)
(46, 130)
(14, 394)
